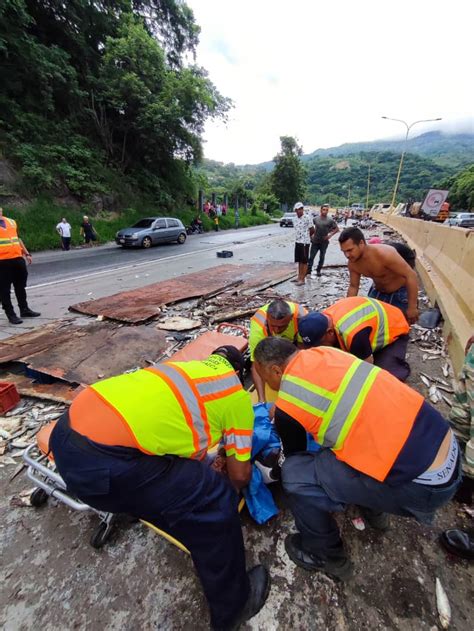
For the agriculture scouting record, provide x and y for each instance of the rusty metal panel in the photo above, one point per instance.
(139, 305)
(60, 392)
(85, 354)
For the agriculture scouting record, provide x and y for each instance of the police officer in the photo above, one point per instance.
(13, 271)
(135, 444)
(383, 447)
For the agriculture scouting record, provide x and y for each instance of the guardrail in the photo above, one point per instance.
(445, 262)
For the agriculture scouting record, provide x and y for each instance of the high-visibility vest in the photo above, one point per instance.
(259, 326)
(176, 408)
(351, 315)
(361, 412)
(10, 247)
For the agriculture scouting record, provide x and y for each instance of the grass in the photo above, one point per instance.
(37, 222)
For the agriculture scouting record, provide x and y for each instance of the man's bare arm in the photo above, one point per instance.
(259, 383)
(395, 263)
(25, 252)
(239, 472)
(354, 283)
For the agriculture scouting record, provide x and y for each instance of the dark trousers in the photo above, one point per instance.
(398, 298)
(315, 248)
(318, 484)
(184, 497)
(65, 243)
(392, 358)
(13, 272)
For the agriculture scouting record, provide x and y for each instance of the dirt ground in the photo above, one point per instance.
(51, 578)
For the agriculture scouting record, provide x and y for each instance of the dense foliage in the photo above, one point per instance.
(288, 178)
(461, 189)
(97, 96)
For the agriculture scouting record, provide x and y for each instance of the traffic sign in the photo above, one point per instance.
(433, 201)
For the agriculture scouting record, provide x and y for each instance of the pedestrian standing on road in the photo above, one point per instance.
(216, 223)
(394, 281)
(64, 230)
(384, 448)
(302, 224)
(148, 460)
(236, 218)
(324, 228)
(88, 231)
(13, 271)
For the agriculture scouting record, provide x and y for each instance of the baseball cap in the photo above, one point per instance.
(233, 356)
(312, 328)
(298, 205)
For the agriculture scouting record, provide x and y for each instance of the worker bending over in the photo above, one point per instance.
(278, 318)
(383, 447)
(395, 281)
(135, 444)
(369, 329)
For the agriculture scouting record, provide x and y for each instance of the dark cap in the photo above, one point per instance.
(312, 328)
(233, 356)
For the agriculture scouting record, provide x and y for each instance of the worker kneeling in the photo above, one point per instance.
(383, 447)
(369, 329)
(135, 443)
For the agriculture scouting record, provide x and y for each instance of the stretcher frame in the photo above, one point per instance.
(42, 471)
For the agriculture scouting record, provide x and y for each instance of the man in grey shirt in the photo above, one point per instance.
(324, 229)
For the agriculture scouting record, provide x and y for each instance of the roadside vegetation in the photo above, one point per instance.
(37, 222)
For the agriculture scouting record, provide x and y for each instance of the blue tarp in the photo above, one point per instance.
(258, 497)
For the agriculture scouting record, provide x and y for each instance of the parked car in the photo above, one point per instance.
(287, 220)
(461, 220)
(151, 231)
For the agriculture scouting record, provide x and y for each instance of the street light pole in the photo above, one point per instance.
(408, 127)
(368, 187)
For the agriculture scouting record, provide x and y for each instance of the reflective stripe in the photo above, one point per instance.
(260, 319)
(196, 411)
(347, 403)
(381, 338)
(315, 403)
(349, 321)
(9, 241)
(301, 311)
(217, 385)
(242, 443)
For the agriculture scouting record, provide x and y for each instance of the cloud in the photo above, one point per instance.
(327, 72)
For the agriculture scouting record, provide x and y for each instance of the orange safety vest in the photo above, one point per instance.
(259, 325)
(361, 412)
(10, 247)
(177, 408)
(351, 315)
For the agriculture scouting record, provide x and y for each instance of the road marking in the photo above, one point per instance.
(118, 269)
(134, 265)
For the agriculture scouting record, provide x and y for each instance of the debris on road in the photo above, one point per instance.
(442, 604)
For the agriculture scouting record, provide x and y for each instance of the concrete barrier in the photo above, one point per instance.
(445, 262)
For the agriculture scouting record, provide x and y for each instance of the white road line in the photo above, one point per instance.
(118, 269)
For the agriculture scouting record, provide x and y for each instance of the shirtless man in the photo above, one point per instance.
(395, 282)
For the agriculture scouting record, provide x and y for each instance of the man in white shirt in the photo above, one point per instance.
(64, 230)
(302, 224)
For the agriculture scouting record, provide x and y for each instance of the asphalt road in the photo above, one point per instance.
(48, 267)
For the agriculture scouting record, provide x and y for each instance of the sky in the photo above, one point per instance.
(326, 71)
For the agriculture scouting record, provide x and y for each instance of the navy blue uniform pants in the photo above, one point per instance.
(13, 272)
(392, 358)
(184, 497)
(317, 484)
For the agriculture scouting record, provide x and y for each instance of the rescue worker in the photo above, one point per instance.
(383, 448)
(369, 329)
(279, 318)
(13, 271)
(135, 444)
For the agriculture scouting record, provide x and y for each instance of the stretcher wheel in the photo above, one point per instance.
(38, 498)
(101, 535)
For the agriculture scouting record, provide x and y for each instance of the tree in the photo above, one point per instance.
(461, 189)
(288, 178)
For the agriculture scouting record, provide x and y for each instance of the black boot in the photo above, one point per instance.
(337, 566)
(259, 589)
(377, 520)
(13, 318)
(29, 313)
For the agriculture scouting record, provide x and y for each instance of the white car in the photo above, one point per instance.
(461, 220)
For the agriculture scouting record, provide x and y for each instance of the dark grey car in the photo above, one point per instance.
(151, 231)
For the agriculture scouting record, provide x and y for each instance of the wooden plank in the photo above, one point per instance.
(59, 392)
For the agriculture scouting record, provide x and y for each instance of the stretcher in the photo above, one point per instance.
(42, 471)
